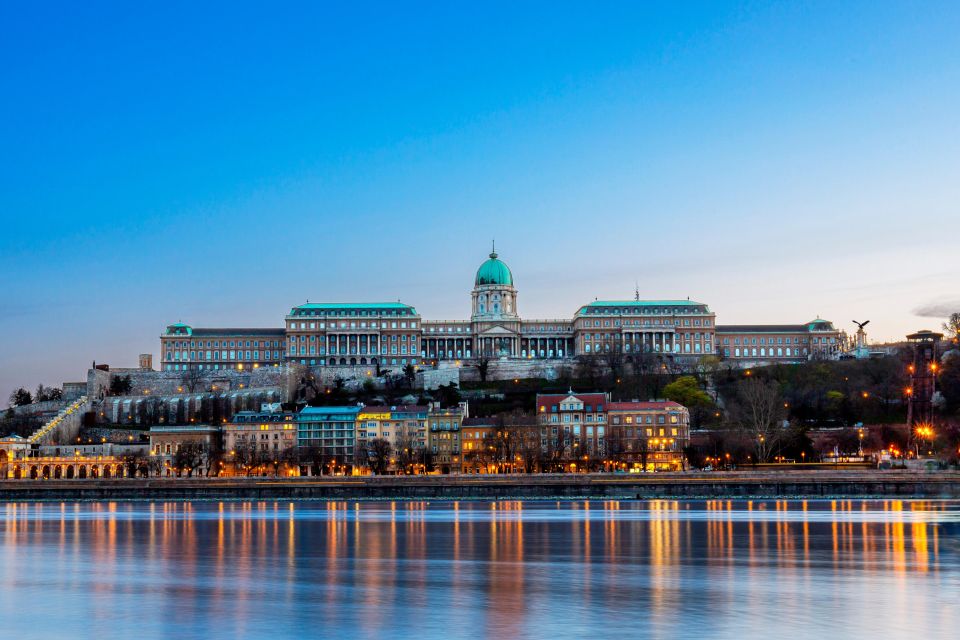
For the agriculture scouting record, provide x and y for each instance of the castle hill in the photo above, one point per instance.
(626, 397)
(502, 320)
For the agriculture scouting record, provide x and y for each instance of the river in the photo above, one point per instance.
(662, 569)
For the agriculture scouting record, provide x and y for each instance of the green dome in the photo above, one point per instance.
(493, 271)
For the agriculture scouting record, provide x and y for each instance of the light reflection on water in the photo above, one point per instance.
(476, 569)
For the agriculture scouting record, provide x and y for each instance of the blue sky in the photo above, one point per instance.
(218, 164)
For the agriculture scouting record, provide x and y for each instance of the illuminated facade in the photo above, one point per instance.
(649, 436)
(444, 445)
(259, 435)
(403, 426)
(330, 431)
(393, 334)
(574, 424)
(771, 343)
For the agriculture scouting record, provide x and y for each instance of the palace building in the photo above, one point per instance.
(393, 334)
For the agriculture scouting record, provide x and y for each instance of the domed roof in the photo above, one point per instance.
(494, 271)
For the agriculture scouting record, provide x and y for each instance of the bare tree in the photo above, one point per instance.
(529, 446)
(155, 465)
(361, 457)
(136, 464)
(759, 410)
(192, 378)
(612, 358)
(643, 450)
(616, 443)
(45, 394)
(483, 367)
(189, 457)
(409, 375)
(559, 446)
(952, 327)
(379, 455)
(405, 447)
(589, 368)
(244, 456)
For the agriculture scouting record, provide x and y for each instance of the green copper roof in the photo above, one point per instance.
(494, 271)
(644, 303)
(179, 328)
(367, 308)
(609, 307)
(820, 325)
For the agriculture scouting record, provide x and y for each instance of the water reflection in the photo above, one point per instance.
(507, 569)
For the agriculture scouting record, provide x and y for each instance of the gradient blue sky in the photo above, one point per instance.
(218, 164)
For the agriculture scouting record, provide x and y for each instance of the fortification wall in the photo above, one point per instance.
(510, 369)
(40, 408)
(147, 381)
(212, 407)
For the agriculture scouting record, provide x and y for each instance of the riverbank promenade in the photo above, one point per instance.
(858, 483)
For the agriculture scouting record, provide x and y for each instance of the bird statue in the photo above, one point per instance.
(861, 324)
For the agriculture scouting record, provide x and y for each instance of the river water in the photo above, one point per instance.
(665, 569)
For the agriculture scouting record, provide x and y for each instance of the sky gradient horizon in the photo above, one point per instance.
(219, 164)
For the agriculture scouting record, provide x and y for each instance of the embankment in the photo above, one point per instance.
(806, 484)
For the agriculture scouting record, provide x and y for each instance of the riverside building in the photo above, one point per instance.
(373, 335)
(649, 436)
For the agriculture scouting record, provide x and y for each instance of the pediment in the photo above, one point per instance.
(497, 330)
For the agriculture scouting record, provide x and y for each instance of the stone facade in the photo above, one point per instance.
(753, 345)
(362, 339)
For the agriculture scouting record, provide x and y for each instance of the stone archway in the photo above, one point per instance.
(82, 472)
(45, 472)
(70, 472)
(3, 456)
(57, 472)
(17, 472)
(106, 471)
(34, 472)
(94, 471)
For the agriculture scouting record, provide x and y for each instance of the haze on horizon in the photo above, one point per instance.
(218, 164)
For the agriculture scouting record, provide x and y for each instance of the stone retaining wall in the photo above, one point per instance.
(813, 485)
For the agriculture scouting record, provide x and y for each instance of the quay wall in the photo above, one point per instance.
(811, 485)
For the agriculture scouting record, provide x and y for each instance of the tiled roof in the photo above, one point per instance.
(761, 328)
(586, 398)
(645, 303)
(313, 411)
(376, 307)
(401, 408)
(258, 331)
(185, 428)
(479, 422)
(641, 406)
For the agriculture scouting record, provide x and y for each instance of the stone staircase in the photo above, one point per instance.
(67, 419)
